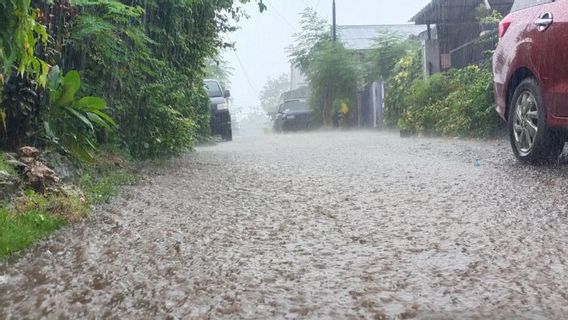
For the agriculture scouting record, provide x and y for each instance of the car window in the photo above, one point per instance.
(213, 89)
(523, 4)
(294, 106)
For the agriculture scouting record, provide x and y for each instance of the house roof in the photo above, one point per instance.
(361, 37)
(456, 11)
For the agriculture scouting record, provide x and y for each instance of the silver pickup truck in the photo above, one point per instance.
(220, 115)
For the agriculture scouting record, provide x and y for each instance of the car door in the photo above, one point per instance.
(552, 40)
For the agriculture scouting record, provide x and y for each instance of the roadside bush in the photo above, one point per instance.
(69, 122)
(455, 103)
(421, 102)
(146, 59)
(159, 128)
(154, 85)
(406, 71)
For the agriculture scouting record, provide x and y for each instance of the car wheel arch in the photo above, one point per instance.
(516, 78)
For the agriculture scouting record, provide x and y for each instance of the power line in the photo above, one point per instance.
(281, 16)
(249, 80)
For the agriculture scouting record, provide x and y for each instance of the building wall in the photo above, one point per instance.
(371, 105)
(431, 57)
(297, 78)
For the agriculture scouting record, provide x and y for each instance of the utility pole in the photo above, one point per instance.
(334, 31)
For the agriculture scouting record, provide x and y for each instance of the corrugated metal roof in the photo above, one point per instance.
(456, 11)
(363, 37)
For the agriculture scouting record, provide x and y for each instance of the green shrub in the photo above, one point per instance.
(455, 103)
(406, 71)
(472, 106)
(69, 122)
(164, 123)
(150, 73)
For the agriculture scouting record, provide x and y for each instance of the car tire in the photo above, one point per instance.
(227, 134)
(532, 140)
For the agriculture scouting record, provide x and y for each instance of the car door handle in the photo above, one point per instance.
(544, 21)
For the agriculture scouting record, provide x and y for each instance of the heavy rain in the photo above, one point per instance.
(304, 159)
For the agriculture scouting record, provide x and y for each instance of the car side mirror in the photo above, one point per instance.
(227, 93)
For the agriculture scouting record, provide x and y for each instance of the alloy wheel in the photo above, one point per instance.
(525, 122)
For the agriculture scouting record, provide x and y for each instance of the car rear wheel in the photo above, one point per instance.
(532, 140)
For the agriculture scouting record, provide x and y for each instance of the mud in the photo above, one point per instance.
(341, 225)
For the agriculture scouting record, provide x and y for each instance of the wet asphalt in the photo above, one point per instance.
(326, 225)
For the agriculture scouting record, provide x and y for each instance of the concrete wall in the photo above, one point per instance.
(431, 57)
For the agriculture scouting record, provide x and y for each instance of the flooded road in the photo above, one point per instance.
(344, 225)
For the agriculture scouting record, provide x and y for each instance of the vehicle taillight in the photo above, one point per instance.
(503, 26)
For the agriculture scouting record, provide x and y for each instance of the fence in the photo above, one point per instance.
(473, 52)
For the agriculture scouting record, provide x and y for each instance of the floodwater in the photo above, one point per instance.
(332, 225)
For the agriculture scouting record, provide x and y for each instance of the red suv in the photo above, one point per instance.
(530, 68)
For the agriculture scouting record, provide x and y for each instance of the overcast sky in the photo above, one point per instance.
(261, 41)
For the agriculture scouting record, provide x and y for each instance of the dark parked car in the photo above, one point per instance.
(530, 67)
(292, 115)
(220, 115)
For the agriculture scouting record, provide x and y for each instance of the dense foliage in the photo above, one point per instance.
(456, 103)
(404, 73)
(69, 122)
(333, 81)
(145, 59)
(19, 35)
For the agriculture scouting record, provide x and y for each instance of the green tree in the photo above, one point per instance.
(332, 75)
(387, 51)
(314, 32)
(271, 92)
